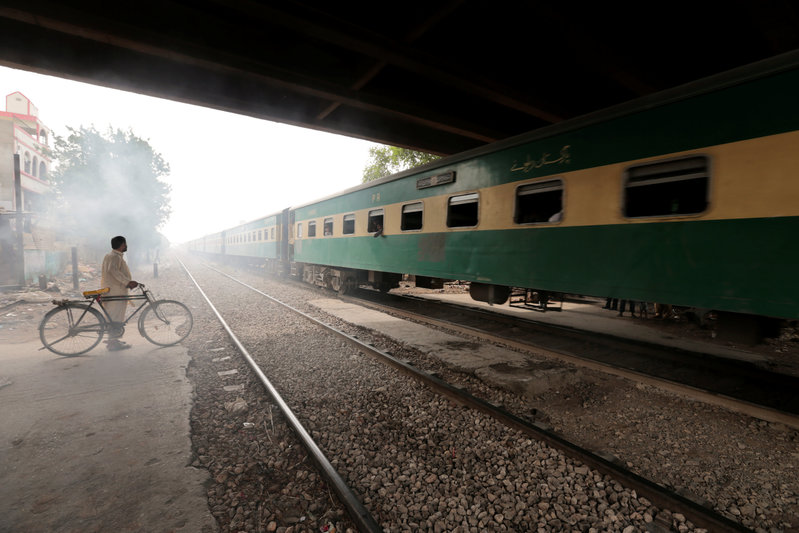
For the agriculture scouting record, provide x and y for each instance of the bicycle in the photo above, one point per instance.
(74, 328)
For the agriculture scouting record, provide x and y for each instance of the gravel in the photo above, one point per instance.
(418, 461)
(422, 463)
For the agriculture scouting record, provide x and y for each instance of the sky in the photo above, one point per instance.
(224, 168)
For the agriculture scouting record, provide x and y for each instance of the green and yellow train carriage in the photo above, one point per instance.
(689, 197)
(257, 241)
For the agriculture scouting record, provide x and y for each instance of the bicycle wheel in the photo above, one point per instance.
(165, 322)
(72, 329)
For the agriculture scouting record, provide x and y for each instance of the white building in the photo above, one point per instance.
(22, 133)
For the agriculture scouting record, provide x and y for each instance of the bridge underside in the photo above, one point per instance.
(440, 76)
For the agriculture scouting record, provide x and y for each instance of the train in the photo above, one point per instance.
(687, 197)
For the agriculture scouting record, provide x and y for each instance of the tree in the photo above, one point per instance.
(387, 160)
(106, 185)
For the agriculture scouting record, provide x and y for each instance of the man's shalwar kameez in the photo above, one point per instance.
(116, 276)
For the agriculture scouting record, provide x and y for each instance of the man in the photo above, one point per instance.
(116, 276)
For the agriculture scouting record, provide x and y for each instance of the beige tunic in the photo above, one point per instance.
(116, 276)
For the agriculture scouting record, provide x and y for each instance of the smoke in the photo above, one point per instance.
(106, 185)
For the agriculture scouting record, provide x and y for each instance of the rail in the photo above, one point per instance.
(357, 511)
(699, 514)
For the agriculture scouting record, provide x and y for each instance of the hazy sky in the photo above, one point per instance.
(225, 168)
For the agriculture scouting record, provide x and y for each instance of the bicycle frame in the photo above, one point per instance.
(146, 298)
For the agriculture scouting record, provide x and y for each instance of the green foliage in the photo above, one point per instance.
(110, 184)
(387, 160)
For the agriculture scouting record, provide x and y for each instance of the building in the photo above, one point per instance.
(23, 133)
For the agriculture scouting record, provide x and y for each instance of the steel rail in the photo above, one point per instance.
(357, 511)
(688, 391)
(694, 511)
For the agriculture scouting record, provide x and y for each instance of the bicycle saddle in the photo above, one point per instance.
(87, 294)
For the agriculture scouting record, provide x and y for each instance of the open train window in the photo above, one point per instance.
(539, 202)
(462, 210)
(375, 221)
(412, 216)
(348, 228)
(299, 230)
(312, 229)
(667, 188)
(328, 227)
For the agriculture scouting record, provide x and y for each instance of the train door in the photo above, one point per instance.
(288, 236)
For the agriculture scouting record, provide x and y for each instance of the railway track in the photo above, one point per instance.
(736, 385)
(697, 513)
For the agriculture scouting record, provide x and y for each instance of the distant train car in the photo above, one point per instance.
(258, 240)
(689, 197)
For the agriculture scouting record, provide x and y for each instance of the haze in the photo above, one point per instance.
(225, 168)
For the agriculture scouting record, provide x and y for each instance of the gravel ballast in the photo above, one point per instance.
(421, 462)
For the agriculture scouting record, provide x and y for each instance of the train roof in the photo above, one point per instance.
(785, 62)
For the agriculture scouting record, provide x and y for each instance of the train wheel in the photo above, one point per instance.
(346, 285)
(334, 283)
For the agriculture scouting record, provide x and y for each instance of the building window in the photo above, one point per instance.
(299, 230)
(328, 227)
(312, 229)
(539, 202)
(375, 221)
(412, 216)
(27, 159)
(462, 211)
(42, 171)
(35, 167)
(348, 227)
(667, 188)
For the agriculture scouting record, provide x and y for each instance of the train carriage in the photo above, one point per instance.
(257, 241)
(689, 197)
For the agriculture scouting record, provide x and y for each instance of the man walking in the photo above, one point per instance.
(116, 276)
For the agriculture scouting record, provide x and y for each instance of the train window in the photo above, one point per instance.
(348, 228)
(412, 216)
(328, 227)
(375, 221)
(462, 210)
(312, 229)
(667, 188)
(348, 225)
(299, 230)
(273, 233)
(260, 235)
(539, 202)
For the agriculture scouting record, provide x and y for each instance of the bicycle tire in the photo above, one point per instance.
(166, 322)
(57, 336)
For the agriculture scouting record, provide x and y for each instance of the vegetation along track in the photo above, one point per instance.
(733, 384)
(420, 461)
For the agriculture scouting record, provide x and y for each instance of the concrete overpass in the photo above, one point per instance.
(438, 76)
